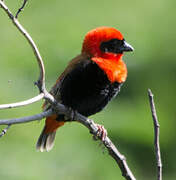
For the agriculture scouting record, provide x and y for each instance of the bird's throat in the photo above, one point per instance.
(115, 70)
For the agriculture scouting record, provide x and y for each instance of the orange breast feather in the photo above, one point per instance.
(116, 71)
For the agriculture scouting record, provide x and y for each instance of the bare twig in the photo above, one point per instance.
(4, 131)
(22, 103)
(21, 8)
(156, 135)
(41, 80)
(27, 118)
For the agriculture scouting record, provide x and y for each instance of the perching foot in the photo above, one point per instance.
(102, 132)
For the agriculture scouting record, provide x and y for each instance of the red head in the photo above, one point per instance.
(105, 42)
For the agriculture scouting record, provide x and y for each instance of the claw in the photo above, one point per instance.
(102, 132)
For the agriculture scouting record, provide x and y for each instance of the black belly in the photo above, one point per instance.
(87, 89)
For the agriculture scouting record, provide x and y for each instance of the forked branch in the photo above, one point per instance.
(58, 108)
(41, 79)
(21, 8)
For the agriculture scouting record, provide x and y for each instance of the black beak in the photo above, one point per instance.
(126, 47)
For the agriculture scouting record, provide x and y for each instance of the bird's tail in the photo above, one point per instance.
(46, 139)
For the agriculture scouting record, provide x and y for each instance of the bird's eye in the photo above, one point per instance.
(112, 46)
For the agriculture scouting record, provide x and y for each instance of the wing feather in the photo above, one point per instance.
(55, 89)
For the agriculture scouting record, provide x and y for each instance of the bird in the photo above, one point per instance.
(89, 82)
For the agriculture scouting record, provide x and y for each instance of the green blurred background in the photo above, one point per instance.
(58, 28)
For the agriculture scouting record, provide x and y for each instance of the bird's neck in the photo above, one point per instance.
(114, 68)
(112, 56)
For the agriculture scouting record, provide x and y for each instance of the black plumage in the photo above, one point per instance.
(87, 89)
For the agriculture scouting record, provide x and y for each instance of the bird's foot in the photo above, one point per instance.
(101, 133)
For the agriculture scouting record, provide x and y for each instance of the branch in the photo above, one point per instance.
(156, 135)
(22, 103)
(21, 8)
(113, 151)
(27, 118)
(4, 131)
(41, 79)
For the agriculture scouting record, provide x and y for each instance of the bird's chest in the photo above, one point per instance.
(115, 70)
(87, 89)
